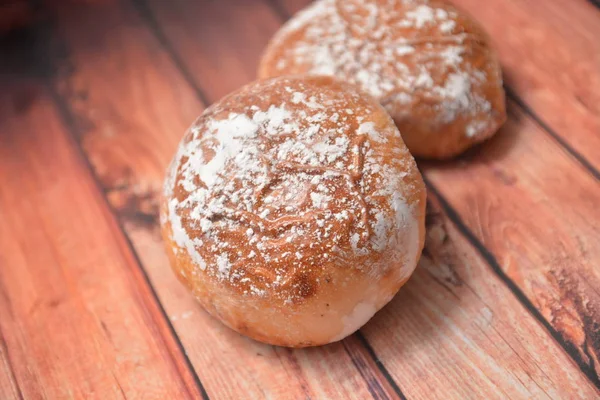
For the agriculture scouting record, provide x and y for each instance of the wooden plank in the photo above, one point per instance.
(550, 55)
(551, 58)
(77, 320)
(455, 331)
(130, 130)
(8, 386)
(224, 39)
(535, 208)
(504, 362)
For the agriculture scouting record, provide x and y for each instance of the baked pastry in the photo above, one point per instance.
(430, 65)
(293, 210)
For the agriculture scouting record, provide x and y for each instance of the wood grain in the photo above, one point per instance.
(77, 321)
(533, 206)
(550, 54)
(8, 385)
(218, 43)
(129, 130)
(527, 377)
(455, 331)
(551, 61)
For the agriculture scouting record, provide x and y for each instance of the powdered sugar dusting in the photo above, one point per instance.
(423, 15)
(394, 50)
(277, 190)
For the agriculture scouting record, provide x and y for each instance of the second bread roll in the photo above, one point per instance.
(430, 65)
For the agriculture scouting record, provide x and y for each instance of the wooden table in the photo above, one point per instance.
(94, 98)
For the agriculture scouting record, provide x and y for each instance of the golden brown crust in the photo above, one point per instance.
(291, 202)
(430, 65)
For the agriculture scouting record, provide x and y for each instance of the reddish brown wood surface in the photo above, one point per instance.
(9, 389)
(551, 58)
(504, 303)
(458, 320)
(78, 320)
(533, 206)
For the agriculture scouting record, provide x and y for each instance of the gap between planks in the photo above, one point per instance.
(67, 289)
(492, 262)
(112, 215)
(510, 93)
(67, 120)
(45, 29)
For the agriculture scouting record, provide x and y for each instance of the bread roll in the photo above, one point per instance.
(430, 65)
(293, 210)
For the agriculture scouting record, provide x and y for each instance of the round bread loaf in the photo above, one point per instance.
(293, 210)
(430, 65)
